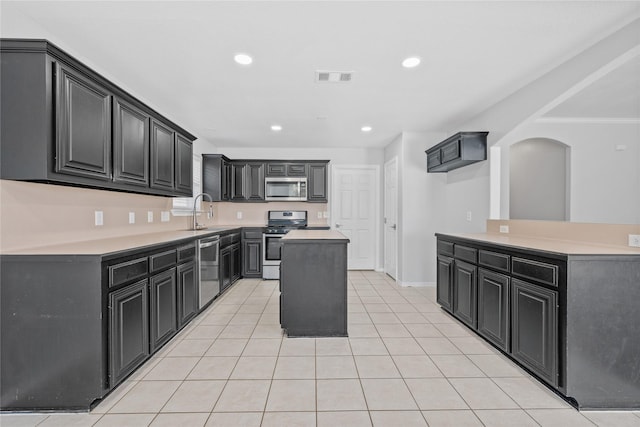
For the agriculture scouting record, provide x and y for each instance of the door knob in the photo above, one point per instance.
(338, 225)
(394, 227)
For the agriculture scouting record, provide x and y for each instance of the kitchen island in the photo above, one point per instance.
(565, 310)
(313, 283)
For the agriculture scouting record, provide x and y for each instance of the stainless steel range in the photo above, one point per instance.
(279, 223)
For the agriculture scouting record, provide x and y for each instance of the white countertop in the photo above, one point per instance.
(118, 244)
(314, 235)
(566, 247)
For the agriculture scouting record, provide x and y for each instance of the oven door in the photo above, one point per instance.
(272, 248)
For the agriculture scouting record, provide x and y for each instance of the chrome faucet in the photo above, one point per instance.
(195, 203)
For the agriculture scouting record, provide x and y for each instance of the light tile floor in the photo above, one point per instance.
(405, 363)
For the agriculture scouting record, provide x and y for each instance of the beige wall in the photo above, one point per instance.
(34, 215)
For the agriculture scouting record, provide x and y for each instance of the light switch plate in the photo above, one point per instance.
(325, 214)
(99, 218)
(239, 215)
(634, 240)
(504, 228)
(319, 214)
(132, 217)
(164, 216)
(150, 216)
(468, 215)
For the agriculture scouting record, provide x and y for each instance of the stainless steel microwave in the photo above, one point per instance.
(285, 189)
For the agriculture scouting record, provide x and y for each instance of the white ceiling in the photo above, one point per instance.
(178, 57)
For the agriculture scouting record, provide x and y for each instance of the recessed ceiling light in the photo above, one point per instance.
(276, 128)
(243, 59)
(412, 61)
(366, 128)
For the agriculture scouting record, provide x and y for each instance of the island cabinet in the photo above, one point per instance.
(64, 123)
(568, 318)
(313, 284)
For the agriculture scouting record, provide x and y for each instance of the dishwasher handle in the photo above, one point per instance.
(205, 243)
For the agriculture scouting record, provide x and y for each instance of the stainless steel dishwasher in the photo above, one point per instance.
(209, 269)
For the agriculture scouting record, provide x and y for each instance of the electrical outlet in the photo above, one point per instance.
(325, 214)
(132, 217)
(319, 214)
(634, 240)
(239, 214)
(99, 218)
(468, 215)
(504, 228)
(149, 216)
(164, 216)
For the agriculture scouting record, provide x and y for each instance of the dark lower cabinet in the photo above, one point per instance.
(252, 258)
(225, 268)
(493, 307)
(444, 279)
(534, 327)
(83, 145)
(236, 262)
(465, 279)
(187, 292)
(129, 330)
(163, 307)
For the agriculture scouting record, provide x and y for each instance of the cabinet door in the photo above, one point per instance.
(317, 183)
(465, 277)
(255, 181)
(129, 330)
(493, 307)
(238, 181)
(225, 268)
(130, 144)
(444, 279)
(163, 307)
(236, 262)
(162, 156)
(226, 181)
(83, 116)
(187, 292)
(184, 166)
(252, 258)
(534, 329)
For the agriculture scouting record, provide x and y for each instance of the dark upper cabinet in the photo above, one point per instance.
(317, 182)
(216, 177)
(238, 192)
(63, 123)
(254, 181)
(83, 145)
(184, 166)
(130, 144)
(286, 169)
(493, 307)
(461, 149)
(162, 156)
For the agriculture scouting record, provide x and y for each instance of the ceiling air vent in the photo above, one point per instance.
(334, 76)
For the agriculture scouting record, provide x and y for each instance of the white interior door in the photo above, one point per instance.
(391, 217)
(354, 204)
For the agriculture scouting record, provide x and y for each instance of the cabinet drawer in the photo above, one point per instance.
(276, 169)
(235, 237)
(445, 248)
(494, 259)
(252, 233)
(466, 253)
(163, 260)
(186, 252)
(127, 271)
(451, 151)
(535, 270)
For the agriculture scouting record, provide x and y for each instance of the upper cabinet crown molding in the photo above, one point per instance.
(461, 149)
(64, 123)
